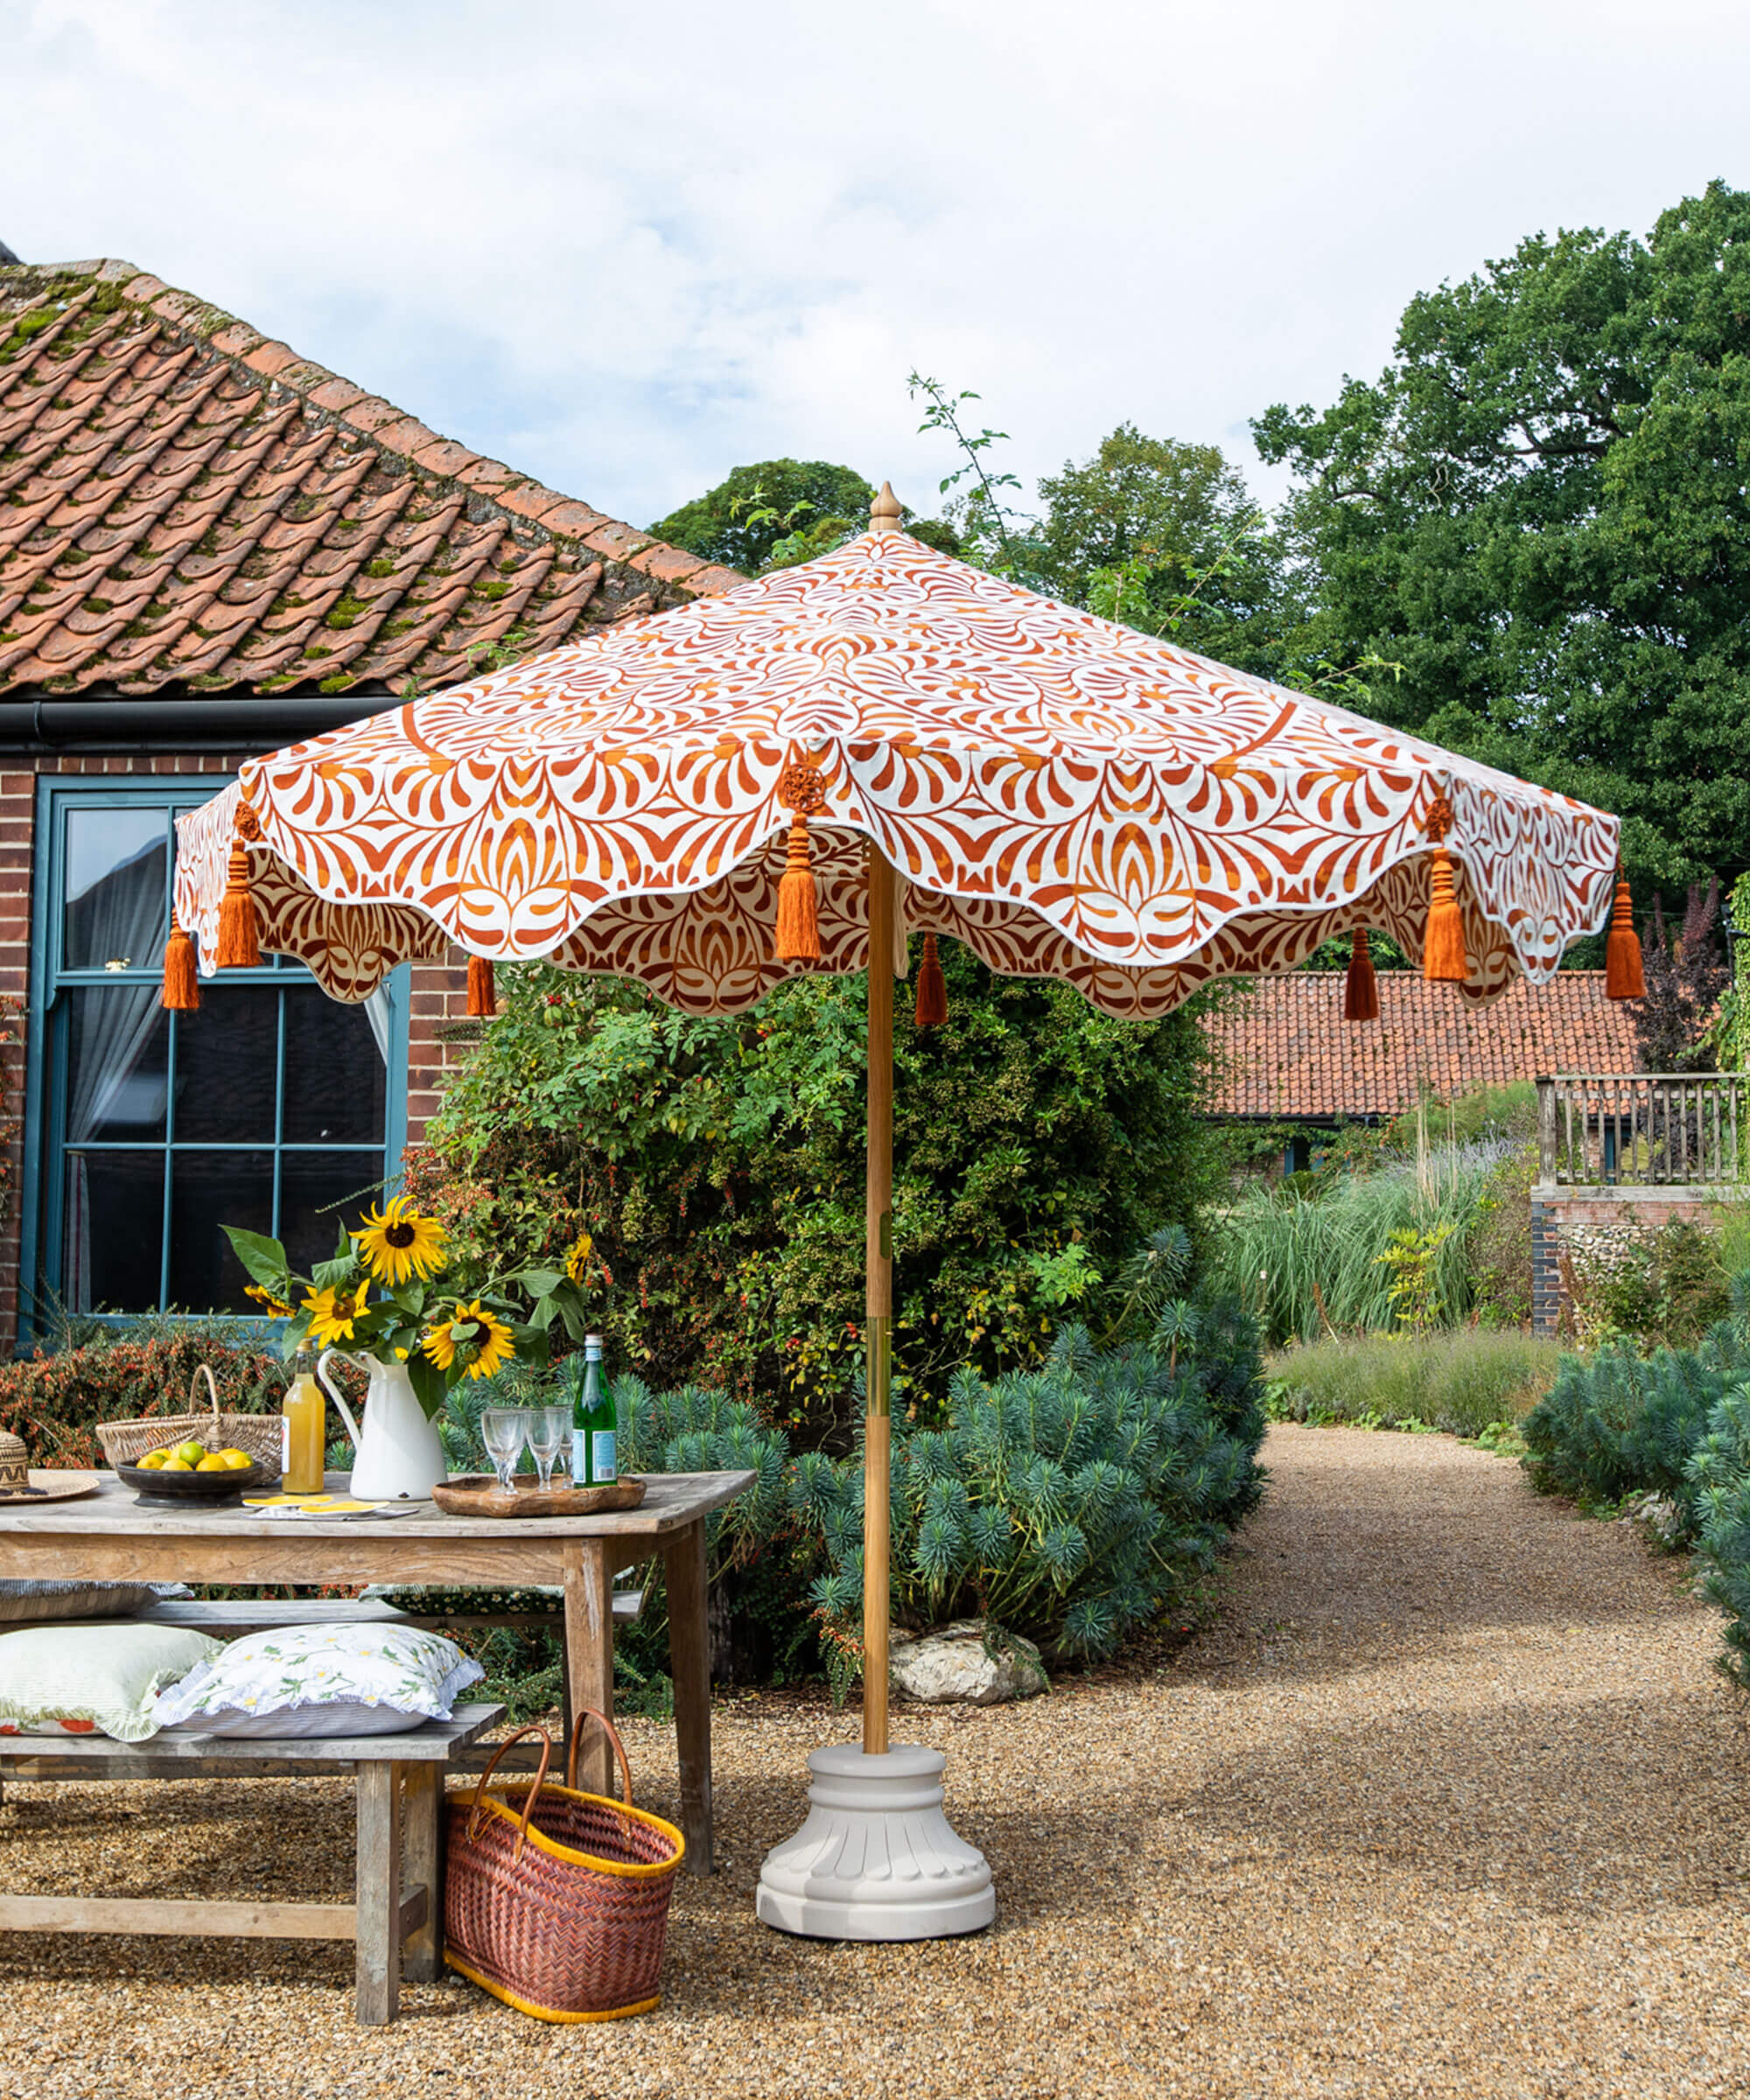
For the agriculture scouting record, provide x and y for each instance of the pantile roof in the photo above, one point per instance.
(1286, 1050)
(186, 505)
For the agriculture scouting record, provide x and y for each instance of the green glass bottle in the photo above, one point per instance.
(595, 1423)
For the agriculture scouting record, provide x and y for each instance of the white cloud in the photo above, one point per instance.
(625, 250)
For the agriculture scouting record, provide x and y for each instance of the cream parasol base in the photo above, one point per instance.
(876, 1859)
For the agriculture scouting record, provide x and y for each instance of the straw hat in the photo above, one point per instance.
(15, 1472)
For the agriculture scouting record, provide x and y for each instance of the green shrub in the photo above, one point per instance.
(1666, 1286)
(1718, 1478)
(1499, 1245)
(55, 1399)
(719, 1166)
(1465, 1381)
(1070, 1504)
(1508, 1113)
(1617, 1423)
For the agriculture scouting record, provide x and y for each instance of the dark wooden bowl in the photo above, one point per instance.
(214, 1489)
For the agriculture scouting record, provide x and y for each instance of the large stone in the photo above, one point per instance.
(970, 1661)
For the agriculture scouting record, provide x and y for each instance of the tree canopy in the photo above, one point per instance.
(1540, 510)
(1165, 536)
(742, 519)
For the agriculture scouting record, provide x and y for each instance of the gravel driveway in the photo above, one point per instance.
(1448, 1801)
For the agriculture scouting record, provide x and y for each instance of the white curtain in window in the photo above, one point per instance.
(125, 918)
(378, 1013)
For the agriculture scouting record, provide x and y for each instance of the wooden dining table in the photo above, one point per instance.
(109, 1536)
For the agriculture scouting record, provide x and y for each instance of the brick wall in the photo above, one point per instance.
(439, 996)
(439, 991)
(1568, 1217)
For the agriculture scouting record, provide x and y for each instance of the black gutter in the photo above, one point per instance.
(240, 722)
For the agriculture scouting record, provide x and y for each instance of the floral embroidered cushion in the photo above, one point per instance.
(313, 1680)
(93, 1680)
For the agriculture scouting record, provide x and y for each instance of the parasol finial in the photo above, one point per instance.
(884, 512)
(239, 943)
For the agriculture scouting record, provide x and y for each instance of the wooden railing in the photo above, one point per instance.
(1641, 1127)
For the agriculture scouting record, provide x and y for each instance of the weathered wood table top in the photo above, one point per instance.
(108, 1536)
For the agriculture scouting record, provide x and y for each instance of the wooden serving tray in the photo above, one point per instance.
(480, 1495)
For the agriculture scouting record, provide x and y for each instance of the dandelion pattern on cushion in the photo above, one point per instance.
(405, 1668)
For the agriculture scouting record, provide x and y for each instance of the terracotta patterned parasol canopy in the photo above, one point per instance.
(1067, 797)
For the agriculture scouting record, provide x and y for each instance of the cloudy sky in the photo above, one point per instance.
(626, 249)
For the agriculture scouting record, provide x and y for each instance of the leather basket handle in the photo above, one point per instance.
(593, 1713)
(474, 1812)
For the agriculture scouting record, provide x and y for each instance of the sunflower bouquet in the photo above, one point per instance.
(392, 1291)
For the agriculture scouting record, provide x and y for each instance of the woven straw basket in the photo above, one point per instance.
(125, 1443)
(557, 1901)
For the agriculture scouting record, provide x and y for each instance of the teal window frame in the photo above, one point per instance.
(43, 1182)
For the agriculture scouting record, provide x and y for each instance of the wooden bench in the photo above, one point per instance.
(396, 1920)
(226, 1617)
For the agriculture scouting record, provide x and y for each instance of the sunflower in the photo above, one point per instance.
(331, 1313)
(397, 1243)
(473, 1337)
(278, 1306)
(577, 1255)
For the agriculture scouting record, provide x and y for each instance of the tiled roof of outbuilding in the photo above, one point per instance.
(1286, 1050)
(186, 505)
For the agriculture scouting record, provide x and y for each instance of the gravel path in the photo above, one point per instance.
(1448, 1801)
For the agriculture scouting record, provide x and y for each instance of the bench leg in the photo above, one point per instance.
(690, 1664)
(589, 1653)
(377, 1894)
(422, 1820)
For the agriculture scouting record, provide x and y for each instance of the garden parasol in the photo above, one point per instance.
(800, 774)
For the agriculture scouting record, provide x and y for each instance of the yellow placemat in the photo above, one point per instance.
(309, 1505)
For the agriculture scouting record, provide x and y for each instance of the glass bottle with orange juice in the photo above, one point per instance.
(303, 1427)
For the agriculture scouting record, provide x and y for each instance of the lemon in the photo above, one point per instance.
(176, 1466)
(153, 1462)
(238, 1461)
(190, 1453)
(212, 1463)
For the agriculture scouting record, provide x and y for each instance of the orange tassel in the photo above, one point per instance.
(240, 942)
(1361, 988)
(803, 792)
(482, 988)
(181, 991)
(1443, 945)
(798, 910)
(1623, 979)
(931, 1009)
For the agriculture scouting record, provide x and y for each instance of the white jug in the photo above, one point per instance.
(399, 1456)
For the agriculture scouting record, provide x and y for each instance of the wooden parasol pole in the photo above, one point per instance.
(884, 517)
(878, 1426)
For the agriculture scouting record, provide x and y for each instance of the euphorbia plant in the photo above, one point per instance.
(390, 1292)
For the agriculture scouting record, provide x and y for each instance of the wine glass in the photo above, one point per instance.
(548, 1430)
(504, 1431)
